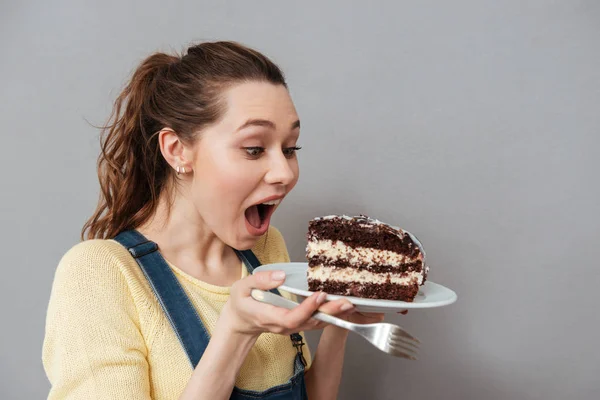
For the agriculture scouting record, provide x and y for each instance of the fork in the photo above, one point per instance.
(386, 337)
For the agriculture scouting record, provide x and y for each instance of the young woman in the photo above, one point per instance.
(199, 152)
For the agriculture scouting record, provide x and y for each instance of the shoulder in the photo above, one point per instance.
(89, 255)
(95, 283)
(95, 250)
(271, 247)
(91, 264)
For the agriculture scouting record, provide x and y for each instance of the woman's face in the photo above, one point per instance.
(245, 164)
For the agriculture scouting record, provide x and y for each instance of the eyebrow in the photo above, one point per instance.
(265, 123)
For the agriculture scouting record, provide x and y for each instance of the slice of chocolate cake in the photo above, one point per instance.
(363, 257)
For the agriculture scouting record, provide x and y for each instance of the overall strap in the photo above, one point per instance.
(175, 303)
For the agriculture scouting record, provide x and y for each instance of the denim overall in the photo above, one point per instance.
(187, 324)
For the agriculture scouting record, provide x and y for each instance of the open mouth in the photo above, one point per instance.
(259, 215)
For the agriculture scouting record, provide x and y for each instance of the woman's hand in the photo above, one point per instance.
(242, 314)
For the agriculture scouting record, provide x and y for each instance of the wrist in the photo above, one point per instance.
(336, 332)
(230, 345)
(215, 374)
(228, 327)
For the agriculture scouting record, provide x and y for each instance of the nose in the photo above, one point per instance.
(281, 170)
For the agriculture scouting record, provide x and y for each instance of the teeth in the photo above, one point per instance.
(272, 202)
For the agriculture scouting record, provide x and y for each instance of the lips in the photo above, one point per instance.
(258, 215)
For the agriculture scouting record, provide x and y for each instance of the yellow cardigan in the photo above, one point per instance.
(108, 338)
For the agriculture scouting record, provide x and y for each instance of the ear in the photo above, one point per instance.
(173, 149)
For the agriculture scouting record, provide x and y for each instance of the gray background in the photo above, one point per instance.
(473, 124)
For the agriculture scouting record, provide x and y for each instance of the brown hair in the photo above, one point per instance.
(179, 92)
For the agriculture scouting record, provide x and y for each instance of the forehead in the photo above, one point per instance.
(259, 100)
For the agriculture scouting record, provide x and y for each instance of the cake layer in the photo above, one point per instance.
(339, 253)
(385, 291)
(350, 275)
(362, 232)
(381, 269)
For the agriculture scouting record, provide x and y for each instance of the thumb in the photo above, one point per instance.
(265, 280)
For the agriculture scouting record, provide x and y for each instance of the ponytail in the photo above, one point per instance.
(129, 188)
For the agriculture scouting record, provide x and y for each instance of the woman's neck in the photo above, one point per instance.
(185, 241)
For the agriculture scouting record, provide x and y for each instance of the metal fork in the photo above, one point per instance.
(386, 337)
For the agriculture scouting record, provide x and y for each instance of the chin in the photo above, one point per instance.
(242, 239)
(245, 244)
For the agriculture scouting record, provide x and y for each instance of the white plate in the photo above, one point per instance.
(430, 295)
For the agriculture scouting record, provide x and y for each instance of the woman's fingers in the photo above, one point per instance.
(264, 280)
(300, 318)
(336, 307)
(303, 312)
(283, 321)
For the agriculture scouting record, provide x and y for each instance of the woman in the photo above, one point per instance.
(199, 152)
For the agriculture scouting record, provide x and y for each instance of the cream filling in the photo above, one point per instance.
(337, 250)
(362, 276)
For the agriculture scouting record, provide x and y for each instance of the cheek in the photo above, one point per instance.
(222, 185)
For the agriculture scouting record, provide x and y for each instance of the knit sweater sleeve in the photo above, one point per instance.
(93, 347)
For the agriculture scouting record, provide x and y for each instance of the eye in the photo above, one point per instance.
(254, 151)
(290, 151)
